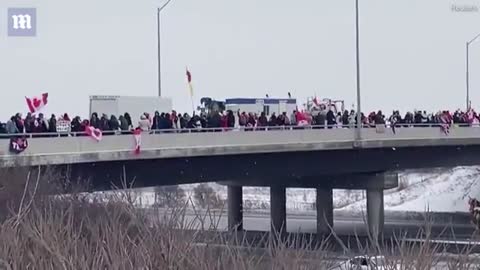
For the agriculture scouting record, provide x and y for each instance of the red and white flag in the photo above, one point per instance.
(137, 133)
(189, 81)
(35, 104)
(95, 133)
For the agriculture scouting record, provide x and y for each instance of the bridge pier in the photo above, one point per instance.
(235, 208)
(324, 205)
(278, 209)
(375, 212)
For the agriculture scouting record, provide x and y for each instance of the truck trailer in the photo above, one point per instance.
(135, 106)
(259, 105)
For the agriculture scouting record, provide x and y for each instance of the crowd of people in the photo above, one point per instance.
(173, 121)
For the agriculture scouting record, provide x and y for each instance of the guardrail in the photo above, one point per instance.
(246, 129)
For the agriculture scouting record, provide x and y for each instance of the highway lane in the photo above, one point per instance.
(343, 225)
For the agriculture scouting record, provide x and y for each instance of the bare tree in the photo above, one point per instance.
(169, 196)
(204, 196)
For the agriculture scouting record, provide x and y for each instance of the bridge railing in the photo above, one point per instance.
(235, 129)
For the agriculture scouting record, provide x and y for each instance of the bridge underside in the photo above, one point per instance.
(295, 169)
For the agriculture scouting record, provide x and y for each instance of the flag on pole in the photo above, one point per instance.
(189, 81)
(35, 104)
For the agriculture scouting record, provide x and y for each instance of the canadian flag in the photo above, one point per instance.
(35, 104)
(137, 133)
(95, 133)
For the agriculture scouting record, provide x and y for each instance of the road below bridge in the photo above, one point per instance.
(305, 223)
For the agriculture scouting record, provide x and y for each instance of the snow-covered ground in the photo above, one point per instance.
(441, 190)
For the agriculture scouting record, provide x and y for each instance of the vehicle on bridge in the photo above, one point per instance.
(314, 105)
(209, 105)
(257, 106)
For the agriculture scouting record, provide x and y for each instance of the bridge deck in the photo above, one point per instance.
(71, 150)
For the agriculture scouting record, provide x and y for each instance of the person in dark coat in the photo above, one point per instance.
(183, 121)
(168, 121)
(19, 123)
(104, 123)
(262, 120)
(214, 120)
(251, 122)
(162, 122)
(52, 124)
(156, 121)
(203, 120)
(129, 119)
(123, 123)
(40, 125)
(230, 119)
(94, 121)
(29, 121)
(114, 124)
(273, 120)
(331, 121)
(345, 117)
(418, 117)
(76, 125)
(379, 118)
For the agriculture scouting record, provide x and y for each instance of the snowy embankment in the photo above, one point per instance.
(440, 190)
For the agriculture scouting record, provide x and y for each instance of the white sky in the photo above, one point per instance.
(412, 52)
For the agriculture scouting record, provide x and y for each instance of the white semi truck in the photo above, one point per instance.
(135, 106)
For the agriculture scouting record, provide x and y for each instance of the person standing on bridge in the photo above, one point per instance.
(94, 121)
(144, 124)
(29, 120)
(114, 124)
(11, 127)
(123, 123)
(262, 120)
(65, 126)
(156, 121)
(129, 120)
(52, 124)
(104, 125)
(331, 119)
(19, 123)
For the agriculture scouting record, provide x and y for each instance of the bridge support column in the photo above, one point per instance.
(375, 212)
(278, 209)
(324, 206)
(235, 208)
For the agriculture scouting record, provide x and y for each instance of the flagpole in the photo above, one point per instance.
(159, 10)
(193, 106)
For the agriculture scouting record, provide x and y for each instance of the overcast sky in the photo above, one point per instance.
(412, 52)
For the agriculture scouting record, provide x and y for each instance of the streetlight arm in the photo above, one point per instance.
(473, 39)
(164, 5)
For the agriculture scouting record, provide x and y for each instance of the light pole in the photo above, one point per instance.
(468, 69)
(358, 133)
(159, 49)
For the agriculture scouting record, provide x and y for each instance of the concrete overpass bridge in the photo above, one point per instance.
(324, 159)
